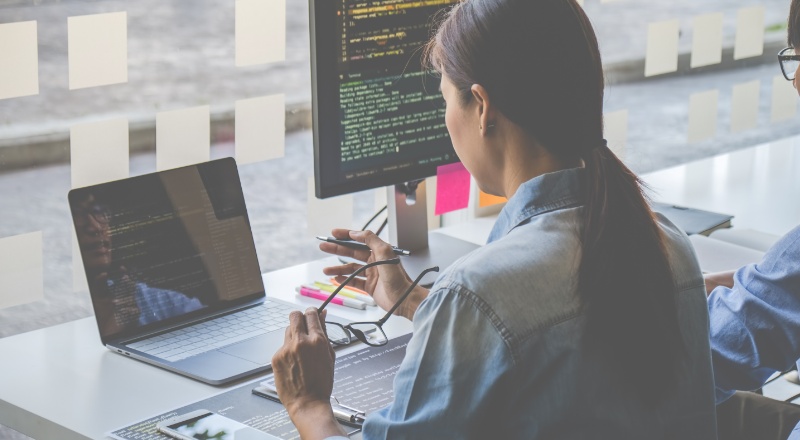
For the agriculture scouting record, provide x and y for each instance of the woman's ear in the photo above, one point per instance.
(485, 110)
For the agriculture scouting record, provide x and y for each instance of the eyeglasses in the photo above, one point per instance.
(371, 332)
(789, 62)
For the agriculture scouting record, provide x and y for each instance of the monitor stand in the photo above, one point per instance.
(408, 229)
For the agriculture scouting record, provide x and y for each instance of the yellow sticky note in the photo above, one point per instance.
(21, 270)
(98, 49)
(183, 137)
(326, 214)
(260, 129)
(616, 132)
(662, 48)
(749, 33)
(260, 32)
(744, 106)
(707, 40)
(99, 152)
(485, 199)
(784, 99)
(703, 115)
(19, 60)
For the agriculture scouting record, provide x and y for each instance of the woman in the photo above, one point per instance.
(584, 316)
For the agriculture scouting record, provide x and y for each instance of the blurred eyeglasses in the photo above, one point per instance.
(789, 62)
(370, 332)
(99, 213)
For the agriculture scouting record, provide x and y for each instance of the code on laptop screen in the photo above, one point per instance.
(162, 246)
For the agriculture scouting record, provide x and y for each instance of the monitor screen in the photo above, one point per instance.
(163, 247)
(378, 117)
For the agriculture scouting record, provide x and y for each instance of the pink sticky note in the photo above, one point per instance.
(452, 188)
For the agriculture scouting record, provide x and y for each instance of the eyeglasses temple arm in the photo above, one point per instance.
(353, 275)
(407, 292)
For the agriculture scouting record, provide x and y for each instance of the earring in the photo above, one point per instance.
(480, 127)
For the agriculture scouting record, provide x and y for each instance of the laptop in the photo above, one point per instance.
(173, 273)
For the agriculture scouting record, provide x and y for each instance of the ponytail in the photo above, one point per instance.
(625, 280)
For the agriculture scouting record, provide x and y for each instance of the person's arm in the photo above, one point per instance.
(755, 329)
(455, 377)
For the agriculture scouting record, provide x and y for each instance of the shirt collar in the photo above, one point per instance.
(544, 193)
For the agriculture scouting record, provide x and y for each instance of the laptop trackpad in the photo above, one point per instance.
(259, 349)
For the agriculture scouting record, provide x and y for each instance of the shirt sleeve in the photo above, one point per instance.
(755, 330)
(453, 376)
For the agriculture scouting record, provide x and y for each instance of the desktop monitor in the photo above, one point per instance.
(378, 116)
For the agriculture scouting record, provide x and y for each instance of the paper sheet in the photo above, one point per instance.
(326, 214)
(19, 60)
(434, 221)
(21, 272)
(662, 48)
(707, 40)
(99, 152)
(616, 132)
(784, 99)
(183, 137)
(381, 198)
(744, 106)
(703, 115)
(452, 188)
(749, 33)
(260, 32)
(98, 49)
(260, 129)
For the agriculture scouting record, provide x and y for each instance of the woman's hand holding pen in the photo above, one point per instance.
(386, 283)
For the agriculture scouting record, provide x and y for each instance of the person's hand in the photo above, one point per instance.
(386, 282)
(303, 370)
(714, 280)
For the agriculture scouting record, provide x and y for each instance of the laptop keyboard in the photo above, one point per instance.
(210, 335)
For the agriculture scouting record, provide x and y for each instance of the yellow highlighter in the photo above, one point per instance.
(366, 299)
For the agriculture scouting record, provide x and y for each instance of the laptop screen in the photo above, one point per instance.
(165, 247)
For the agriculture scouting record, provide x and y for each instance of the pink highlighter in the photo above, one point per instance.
(322, 296)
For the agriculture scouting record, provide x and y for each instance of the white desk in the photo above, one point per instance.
(61, 383)
(759, 186)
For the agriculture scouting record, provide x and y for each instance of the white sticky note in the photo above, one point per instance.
(260, 129)
(21, 271)
(327, 214)
(260, 32)
(703, 115)
(744, 106)
(99, 152)
(616, 132)
(19, 60)
(79, 282)
(749, 33)
(98, 49)
(707, 40)
(434, 221)
(784, 99)
(662, 48)
(183, 137)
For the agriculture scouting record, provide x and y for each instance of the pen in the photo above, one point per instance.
(325, 287)
(316, 294)
(352, 244)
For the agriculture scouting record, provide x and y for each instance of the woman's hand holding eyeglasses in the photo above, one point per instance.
(386, 283)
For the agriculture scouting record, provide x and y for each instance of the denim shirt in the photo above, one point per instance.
(497, 345)
(755, 330)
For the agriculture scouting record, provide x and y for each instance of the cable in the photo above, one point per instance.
(383, 225)
(373, 218)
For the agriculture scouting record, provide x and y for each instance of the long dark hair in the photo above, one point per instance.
(539, 61)
(794, 25)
